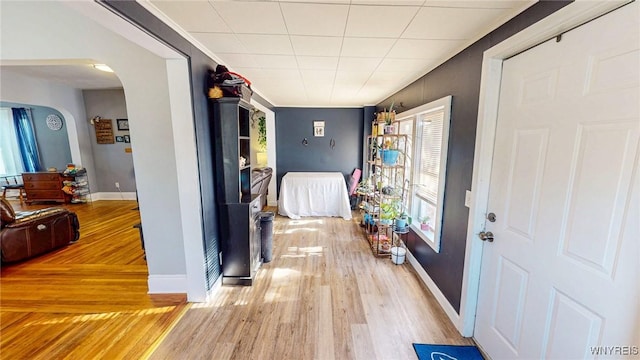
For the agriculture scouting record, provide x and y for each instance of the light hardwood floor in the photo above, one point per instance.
(324, 296)
(87, 300)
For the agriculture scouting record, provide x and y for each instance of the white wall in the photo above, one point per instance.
(113, 164)
(24, 89)
(144, 78)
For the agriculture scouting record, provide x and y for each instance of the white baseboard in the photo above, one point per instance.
(213, 293)
(167, 284)
(435, 290)
(113, 196)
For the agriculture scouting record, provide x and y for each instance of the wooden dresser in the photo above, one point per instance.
(45, 186)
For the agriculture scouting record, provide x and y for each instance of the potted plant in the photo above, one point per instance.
(389, 152)
(402, 221)
(389, 117)
(262, 133)
(388, 212)
(424, 223)
(261, 122)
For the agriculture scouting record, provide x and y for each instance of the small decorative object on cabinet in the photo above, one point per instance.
(239, 220)
(384, 193)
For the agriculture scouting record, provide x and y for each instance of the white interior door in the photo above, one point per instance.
(561, 277)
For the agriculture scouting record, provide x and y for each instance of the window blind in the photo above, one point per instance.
(430, 149)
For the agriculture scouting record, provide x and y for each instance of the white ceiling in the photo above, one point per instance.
(333, 52)
(305, 53)
(78, 74)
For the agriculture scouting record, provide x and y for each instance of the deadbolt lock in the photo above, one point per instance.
(491, 217)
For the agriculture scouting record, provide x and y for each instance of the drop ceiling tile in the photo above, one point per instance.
(423, 49)
(319, 98)
(478, 4)
(251, 73)
(316, 45)
(277, 62)
(389, 2)
(279, 75)
(318, 90)
(351, 79)
(193, 15)
(452, 23)
(317, 62)
(320, 77)
(392, 65)
(252, 17)
(221, 43)
(316, 1)
(315, 19)
(266, 44)
(379, 21)
(335, 52)
(343, 95)
(358, 64)
(284, 87)
(384, 78)
(366, 47)
(238, 60)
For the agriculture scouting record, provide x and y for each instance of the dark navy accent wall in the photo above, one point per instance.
(369, 115)
(345, 126)
(459, 77)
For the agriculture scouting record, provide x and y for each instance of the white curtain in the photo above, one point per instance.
(10, 159)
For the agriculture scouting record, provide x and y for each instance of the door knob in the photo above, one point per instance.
(486, 236)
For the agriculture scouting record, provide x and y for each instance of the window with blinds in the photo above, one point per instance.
(430, 151)
(428, 173)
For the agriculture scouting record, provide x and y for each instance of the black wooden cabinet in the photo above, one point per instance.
(241, 248)
(239, 210)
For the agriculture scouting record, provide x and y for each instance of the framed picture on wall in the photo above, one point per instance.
(123, 124)
(127, 139)
(119, 139)
(318, 128)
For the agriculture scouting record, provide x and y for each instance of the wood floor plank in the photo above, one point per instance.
(323, 296)
(89, 299)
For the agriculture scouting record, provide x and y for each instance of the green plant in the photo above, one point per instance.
(262, 132)
(391, 210)
(387, 115)
(424, 219)
(387, 212)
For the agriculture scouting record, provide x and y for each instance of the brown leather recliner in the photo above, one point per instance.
(260, 178)
(26, 234)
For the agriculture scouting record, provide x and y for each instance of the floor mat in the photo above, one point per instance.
(447, 352)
